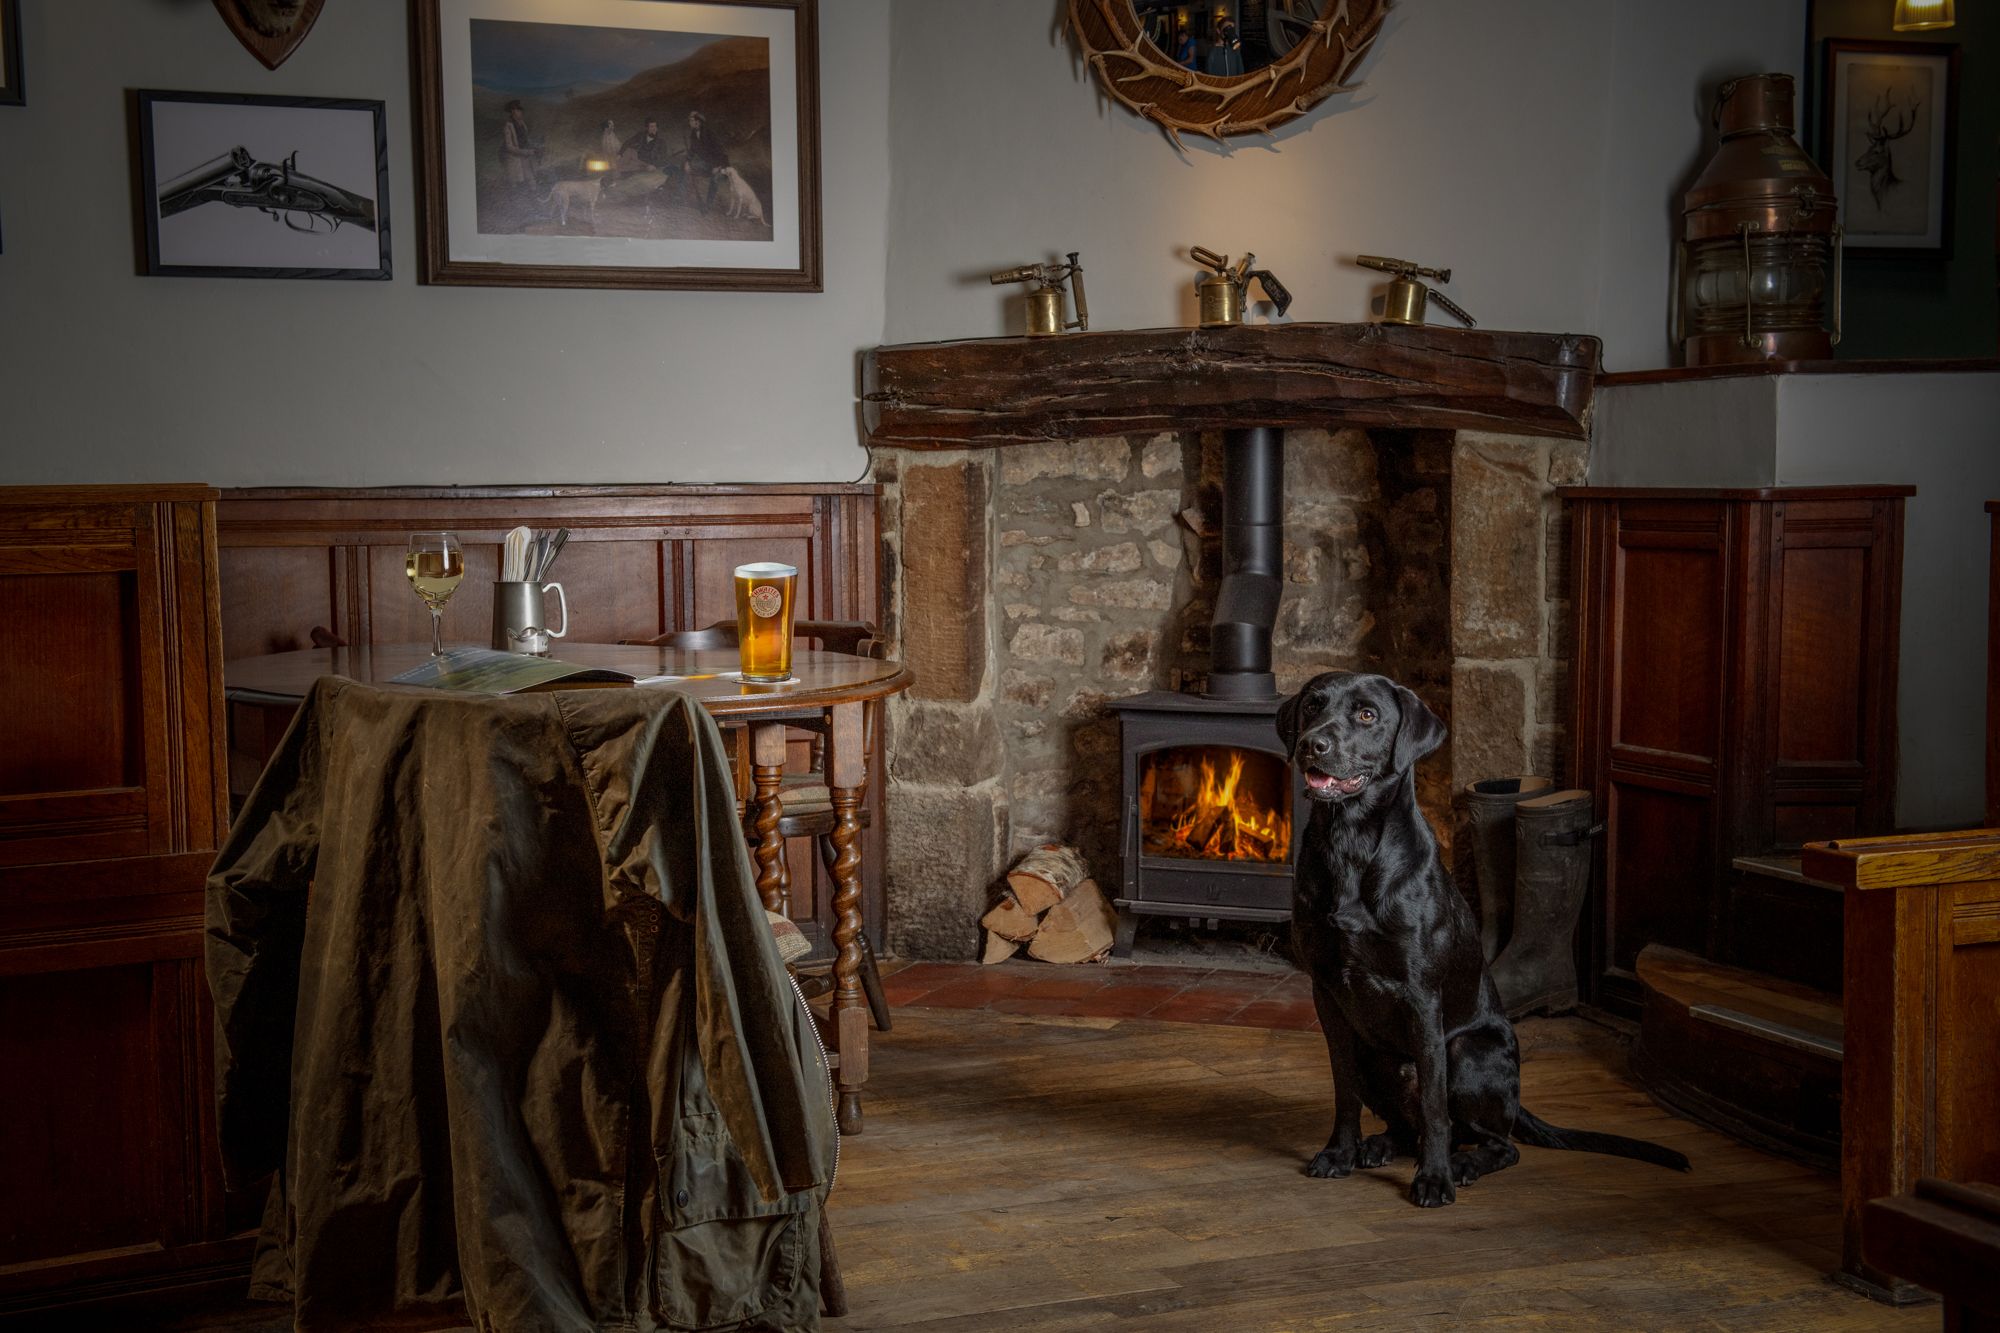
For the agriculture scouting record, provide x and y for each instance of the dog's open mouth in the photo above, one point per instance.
(1327, 785)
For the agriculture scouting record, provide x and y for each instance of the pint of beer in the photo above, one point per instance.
(764, 620)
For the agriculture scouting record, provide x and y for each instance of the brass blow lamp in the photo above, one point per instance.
(1407, 297)
(1223, 291)
(1046, 315)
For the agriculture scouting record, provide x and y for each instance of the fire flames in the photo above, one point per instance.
(1220, 820)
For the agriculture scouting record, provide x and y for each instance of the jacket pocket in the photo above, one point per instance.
(724, 1254)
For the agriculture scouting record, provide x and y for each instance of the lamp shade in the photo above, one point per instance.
(1923, 15)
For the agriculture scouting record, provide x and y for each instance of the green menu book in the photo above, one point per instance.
(489, 671)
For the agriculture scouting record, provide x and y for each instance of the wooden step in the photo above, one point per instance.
(1749, 1054)
(1788, 867)
(1781, 922)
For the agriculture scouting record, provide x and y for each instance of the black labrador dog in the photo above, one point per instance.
(1414, 1027)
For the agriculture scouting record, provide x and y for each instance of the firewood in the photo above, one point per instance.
(1044, 875)
(999, 948)
(1011, 921)
(1077, 930)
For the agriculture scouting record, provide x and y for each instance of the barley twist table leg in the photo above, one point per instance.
(767, 771)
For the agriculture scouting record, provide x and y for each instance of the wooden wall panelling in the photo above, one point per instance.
(1736, 682)
(108, 1178)
(641, 560)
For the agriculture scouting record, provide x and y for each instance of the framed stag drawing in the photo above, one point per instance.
(615, 143)
(1888, 127)
(236, 186)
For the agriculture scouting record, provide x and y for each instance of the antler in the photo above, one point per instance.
(1885, 102)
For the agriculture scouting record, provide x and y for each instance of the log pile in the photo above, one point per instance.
(1052, 906)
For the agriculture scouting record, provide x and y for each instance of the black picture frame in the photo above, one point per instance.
(280, 189)
(1838, 157)
(13, 92)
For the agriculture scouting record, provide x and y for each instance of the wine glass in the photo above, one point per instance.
(436, 566)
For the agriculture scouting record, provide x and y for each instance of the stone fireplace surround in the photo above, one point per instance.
(1028, 582)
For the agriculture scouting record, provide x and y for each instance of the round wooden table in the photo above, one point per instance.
(831, 690)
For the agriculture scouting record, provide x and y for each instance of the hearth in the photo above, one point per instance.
(1210, 799)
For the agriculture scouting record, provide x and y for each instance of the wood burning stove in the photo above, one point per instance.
(1210, 799)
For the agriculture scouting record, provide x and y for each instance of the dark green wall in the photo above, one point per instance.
(1928, 307)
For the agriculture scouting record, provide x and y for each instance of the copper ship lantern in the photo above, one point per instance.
(1760, 249)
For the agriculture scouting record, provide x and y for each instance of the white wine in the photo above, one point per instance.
(435, 575)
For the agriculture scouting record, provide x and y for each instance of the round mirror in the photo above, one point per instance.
(1222, 67)
(1228, 37)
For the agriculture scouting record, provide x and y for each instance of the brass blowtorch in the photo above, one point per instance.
(1405, 301)
(1046, 316)
(1224, 290)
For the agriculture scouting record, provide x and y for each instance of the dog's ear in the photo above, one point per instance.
(1288, 721)
(1420, 731)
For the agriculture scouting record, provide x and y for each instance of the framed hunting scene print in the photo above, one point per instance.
(1888, 132)
(620, 143)
(236, 186)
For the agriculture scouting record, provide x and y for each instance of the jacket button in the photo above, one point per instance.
(680, 1198)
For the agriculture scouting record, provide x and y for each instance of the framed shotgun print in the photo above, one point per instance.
(619, 143)
(12, 93)
(236, 186)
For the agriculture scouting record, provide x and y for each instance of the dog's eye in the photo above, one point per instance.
(1364, 716)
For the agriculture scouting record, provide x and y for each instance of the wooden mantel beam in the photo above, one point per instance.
(997, 391)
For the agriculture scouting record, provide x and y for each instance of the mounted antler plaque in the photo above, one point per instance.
(270, 29)
(1205, 74)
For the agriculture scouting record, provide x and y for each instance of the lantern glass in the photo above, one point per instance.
(1785, 281)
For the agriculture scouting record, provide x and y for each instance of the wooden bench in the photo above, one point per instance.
(1920, 1081)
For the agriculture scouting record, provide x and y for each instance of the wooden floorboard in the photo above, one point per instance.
(1093, 1172)
(1058, 1174)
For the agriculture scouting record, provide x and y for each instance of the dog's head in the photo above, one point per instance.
(1351, 734)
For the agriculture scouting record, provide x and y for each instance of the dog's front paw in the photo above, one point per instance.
(1432, 1189)
(1331, 1163)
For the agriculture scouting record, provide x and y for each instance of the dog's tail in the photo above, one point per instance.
(1532, 1130)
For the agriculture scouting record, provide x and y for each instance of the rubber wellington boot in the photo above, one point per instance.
(1537, 969)
(1491, 802)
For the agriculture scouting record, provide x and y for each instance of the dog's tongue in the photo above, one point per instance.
(1328, 782)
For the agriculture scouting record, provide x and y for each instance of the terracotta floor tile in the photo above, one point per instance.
(1153, 974)
(1277, 1013)
(1064, 983)
(1039, 1004)
(928, 975)
(1193, 1006)
(1125, 1001)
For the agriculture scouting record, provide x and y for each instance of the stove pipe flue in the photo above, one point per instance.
(1253, 552)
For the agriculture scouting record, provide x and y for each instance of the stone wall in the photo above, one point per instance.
(1030, 584)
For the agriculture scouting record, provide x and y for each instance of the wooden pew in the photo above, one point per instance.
(1947, 1237)
(1919, 1077)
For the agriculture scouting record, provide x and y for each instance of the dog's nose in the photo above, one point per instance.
(1318, 746)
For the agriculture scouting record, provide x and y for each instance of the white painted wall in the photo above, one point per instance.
(1939, 433)
(1534, 147)
(109, 376)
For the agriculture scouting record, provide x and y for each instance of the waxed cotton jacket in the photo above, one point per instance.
(497, 1003)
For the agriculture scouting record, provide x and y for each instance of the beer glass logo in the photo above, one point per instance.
(766, 601)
